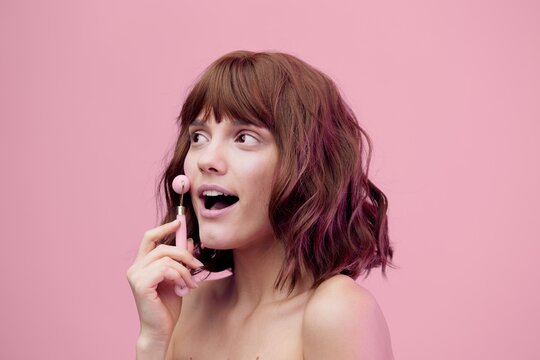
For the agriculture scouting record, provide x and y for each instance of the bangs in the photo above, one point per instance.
(231, 87)
(323, 208)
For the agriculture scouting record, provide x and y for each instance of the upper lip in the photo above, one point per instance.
(221, 189)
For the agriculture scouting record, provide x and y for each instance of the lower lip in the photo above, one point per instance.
(212, 214)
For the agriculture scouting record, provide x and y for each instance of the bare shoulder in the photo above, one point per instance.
(343, 320)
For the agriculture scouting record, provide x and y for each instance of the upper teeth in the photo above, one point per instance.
(213, 193)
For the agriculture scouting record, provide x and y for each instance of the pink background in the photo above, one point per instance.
(448, 91)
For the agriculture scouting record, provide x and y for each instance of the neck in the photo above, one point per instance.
(255, 270)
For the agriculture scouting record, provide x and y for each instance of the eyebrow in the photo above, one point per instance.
(236, 122)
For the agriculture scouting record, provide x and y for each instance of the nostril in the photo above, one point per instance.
(209, 169)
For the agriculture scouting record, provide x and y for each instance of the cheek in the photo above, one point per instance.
(189, 166)
(259, 179)
(190, 170)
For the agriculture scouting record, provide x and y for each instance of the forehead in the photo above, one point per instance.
(200, 121)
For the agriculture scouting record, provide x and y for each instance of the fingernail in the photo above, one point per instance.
(196, 261)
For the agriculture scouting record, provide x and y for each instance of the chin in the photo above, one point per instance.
(216, 242)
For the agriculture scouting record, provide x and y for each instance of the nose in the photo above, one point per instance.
(212, 159)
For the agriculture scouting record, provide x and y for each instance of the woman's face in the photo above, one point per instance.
(231, 167)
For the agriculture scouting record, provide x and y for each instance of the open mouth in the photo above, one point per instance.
(214, 200)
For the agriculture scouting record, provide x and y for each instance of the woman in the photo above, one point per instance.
(281, 198)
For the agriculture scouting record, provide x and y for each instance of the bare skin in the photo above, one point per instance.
(337, 320)
(243, 316)
(243, 309)
(211, 327)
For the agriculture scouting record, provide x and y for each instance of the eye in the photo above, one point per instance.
(248, 139)
(197, 138)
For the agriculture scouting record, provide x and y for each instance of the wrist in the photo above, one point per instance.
(147, 337)
(151, 348)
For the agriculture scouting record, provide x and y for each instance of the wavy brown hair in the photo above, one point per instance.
(328, 215)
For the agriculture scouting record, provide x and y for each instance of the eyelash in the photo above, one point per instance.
(192, 136)
(196, 133)
(244, 134)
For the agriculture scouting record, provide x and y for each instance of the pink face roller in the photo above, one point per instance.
(181, 185)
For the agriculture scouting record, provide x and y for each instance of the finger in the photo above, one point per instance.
(174, 276)
(181, 291)
(184, 273)
(173, 252)
(148, 280)
(151, 237)
(182, 282)
(166, 269)
(178, 280)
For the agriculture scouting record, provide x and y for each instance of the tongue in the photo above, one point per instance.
(219, 202)
(220, 205)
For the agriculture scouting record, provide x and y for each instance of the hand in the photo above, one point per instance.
(152, 278)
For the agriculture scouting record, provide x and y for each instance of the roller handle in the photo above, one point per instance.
(181, 185)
